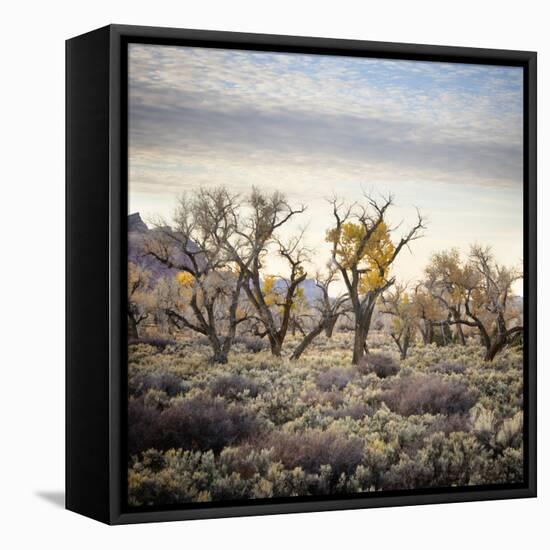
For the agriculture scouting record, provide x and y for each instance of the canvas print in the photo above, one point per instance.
(325, 261)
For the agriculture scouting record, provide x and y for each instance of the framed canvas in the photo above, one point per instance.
(301, 274)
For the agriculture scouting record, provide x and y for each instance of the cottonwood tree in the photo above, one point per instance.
(274, 290)
(363, 252)
(255, 235)
(300, 310)
(446, 279)
(428, 312)
(328, 309)
(398, 304)
(140, 302)
(275, 309)
(485, 289)
(205, 295)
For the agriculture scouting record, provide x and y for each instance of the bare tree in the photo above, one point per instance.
(207, 295)
(255, 236)
(140, 304)
(495, 292)
(300, 311)
(428, 311)
(484, 289)
(328, 310)
(363, 252)
(398, 304)
(445, 280)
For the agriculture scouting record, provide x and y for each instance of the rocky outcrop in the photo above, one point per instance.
(138, 236)
(136, 224)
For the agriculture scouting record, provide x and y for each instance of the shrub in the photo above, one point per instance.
(333, 398)
(154, 460)
(238, 472)
(204, 423)
(143, 423)
(419, 394)
(183, 477)
(356, 411)
(231, 386)
(201, 341)
(164, 381)
(509, 466)
(246, 460)
(159, 343)
(254, 345)
(510, 433)
(262, 427)
(280, 405)
(381, 364)
(451, 423)
(199, 422)
(456, 459)
(314, 448)
(447, 368)
(483, 424)
(335, 378)
(407, 474)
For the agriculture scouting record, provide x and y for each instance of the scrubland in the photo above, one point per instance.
(261, 426)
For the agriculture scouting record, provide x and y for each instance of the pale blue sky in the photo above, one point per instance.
(446, 138)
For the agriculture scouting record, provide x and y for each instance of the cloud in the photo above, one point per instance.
(444, 137)
(195, 111)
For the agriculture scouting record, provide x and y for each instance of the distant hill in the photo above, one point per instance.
(311, 291)
(138, 234)
(136, 224)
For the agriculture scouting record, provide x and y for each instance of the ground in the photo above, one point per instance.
(263, 427)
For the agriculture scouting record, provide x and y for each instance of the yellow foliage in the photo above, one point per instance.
(396, 324)
(375, 255)
(298, 300)
(185, 279)
(426, 306)
(268, 290)
(272, 295)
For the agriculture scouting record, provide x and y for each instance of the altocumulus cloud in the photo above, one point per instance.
(205, 116)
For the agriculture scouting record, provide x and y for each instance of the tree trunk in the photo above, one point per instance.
(424, 334)
(362, 326)
(359, 340)
(132, 328)
(221, 350)
(460, 334)
(427, 332)
(329, 327)
(306, 342)
(220, 355)
(276, 346)
(496, 347)
(405, 346)
(363, 319)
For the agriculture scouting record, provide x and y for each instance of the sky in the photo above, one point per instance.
(445, 138)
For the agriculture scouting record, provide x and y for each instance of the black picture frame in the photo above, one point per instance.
(96, 258)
